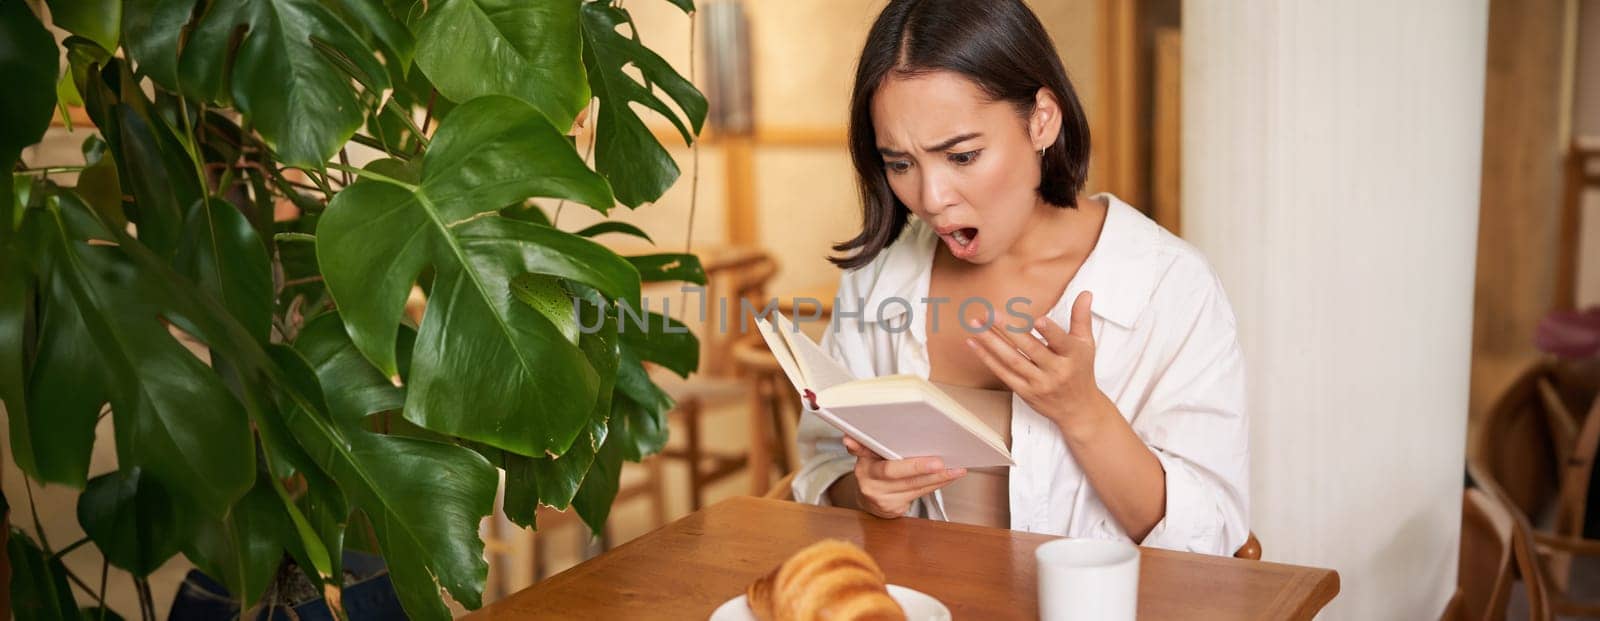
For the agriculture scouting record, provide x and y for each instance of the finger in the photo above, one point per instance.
(1016, 382)
(930, 488)
(1055, 337)
(1081, 326)
(914, 484)
(905, 468)
(860, 450)
(1004, 351)
(1030, 346)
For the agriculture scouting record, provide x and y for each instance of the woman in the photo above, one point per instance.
(1098, 344)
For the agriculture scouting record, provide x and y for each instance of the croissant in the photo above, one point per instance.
(830, 580)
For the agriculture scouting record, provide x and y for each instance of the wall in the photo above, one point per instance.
(1331, 159)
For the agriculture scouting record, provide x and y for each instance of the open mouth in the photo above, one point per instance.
(963, 242)
(964, 236)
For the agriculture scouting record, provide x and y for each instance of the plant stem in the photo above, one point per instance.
(588, 151)
(38, 526)
(374, 176)
(694, 178)
(72, 547)
(51, 169)
(99, 598)
(193, 146)
(369, 141)
(301, 281)
(344, 158)
(105, 570)
(427, 118)
(294, 237)
(322, 184)
(411, 124)
(147, 606)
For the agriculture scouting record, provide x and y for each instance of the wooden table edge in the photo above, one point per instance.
(1326, 587)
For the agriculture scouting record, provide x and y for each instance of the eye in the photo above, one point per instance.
(963, 159)
(898, 167)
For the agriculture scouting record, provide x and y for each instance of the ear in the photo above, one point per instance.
(1044, 126)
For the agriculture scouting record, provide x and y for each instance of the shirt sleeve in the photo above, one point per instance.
(1195, 424)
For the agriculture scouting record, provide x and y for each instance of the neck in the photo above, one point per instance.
(1054, 233)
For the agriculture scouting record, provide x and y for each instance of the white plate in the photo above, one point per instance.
(918, 606)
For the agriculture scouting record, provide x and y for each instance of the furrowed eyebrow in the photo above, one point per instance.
(953, 141)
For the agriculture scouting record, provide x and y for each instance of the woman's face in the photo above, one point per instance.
(967, 166)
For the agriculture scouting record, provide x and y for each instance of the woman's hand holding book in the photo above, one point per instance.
(886, 488)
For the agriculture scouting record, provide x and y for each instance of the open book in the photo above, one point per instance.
(897, 416)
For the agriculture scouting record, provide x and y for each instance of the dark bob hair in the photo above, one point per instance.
(999, 45)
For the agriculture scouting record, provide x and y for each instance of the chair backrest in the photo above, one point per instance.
(1486, 568)
(1496, 523)
(1516, 442)
(732, 280)
(1536, 449)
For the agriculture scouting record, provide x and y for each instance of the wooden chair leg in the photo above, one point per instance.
(538, 557)
(691, 411)
(658, 492)
(760, 462)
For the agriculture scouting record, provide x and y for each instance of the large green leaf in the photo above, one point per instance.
(426, 524)
(98, 184)
(379, 234)
(99, 20)
(243, 549)
(664, 341)
(222, 253)
(554, 480)
(615, 226)
(287, 74)
(130, 517)
(30, 62)
(527, 50)
(150, 159)
(375, 17)
(39, 590)
(669, 267)
(152, 29)
(173, 416)
(626, 153)
(352, 386)
(599, 489)
(67, 385)
(161, 187)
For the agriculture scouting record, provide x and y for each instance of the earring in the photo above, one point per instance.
(1041, 152)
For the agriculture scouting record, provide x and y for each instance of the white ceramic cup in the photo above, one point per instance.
(1088, 580)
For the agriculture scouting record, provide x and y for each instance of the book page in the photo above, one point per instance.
(780, 350)
(818, 368)
(902, 429)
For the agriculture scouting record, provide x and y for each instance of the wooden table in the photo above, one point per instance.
(689, 567)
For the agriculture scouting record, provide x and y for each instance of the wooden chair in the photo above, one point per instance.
(784, 490)
(736, 278)
(775, 408)
(1534, 454)
(1498, 546)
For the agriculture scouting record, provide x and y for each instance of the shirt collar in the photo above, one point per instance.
(1117, 270)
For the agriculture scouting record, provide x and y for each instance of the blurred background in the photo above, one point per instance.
(1273, 137)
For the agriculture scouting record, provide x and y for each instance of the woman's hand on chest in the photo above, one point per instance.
(1054, 376)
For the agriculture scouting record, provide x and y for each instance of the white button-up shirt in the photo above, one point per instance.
(1166, 354)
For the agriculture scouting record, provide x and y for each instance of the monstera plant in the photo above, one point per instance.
(223, 284)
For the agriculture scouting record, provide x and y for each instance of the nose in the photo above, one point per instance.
(938, 193)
